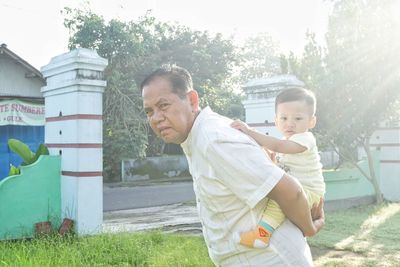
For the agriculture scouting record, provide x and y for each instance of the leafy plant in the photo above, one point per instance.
(25, 153)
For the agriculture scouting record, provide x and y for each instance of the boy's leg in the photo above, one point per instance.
(259, 237)
(312, 197)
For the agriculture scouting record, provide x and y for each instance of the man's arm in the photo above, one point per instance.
(290, 196)
(244, 168)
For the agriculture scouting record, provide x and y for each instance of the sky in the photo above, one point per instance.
(34, 30)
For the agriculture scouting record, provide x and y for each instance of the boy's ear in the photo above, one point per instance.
(313, 122)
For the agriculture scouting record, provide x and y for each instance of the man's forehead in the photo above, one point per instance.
(159, 82)
(154, 95)
(157, 86)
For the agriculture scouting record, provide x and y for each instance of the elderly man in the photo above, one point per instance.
(232, 176)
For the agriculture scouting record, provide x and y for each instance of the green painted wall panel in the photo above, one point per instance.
(347, 183)
(31, 197)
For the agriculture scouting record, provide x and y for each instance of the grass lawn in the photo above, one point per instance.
(366, 236)
(139, 249)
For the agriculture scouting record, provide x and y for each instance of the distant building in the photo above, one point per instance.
(21, 106)
(260, 102)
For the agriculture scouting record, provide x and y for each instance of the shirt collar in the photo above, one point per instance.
(187, 144)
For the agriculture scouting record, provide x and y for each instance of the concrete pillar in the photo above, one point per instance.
(260, 114)
(73, 129)
(387, 140)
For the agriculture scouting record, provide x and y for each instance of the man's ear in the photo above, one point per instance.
(313, 122)
(194, 99)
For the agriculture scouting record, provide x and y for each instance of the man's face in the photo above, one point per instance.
(170, 116)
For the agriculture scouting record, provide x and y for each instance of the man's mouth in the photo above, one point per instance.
(163, 130)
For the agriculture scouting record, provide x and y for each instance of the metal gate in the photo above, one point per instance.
(30, 135)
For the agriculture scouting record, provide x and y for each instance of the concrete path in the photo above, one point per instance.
(177, 218)
(128, 197)
(168, 207)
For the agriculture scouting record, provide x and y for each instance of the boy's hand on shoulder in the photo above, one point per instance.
(241, 126)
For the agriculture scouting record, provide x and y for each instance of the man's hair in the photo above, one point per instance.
(180, 78)
(297, 94)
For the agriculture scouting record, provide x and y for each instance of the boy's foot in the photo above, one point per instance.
(256, 238)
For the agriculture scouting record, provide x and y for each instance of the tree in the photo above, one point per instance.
(133, 50)
(259, 58)
(358, 82)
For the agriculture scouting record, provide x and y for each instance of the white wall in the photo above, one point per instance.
(387, 140)
(13, 81)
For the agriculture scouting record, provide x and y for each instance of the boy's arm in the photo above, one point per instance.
(271, 143)
(290, 196)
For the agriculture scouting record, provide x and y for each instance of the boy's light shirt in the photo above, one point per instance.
(305, 166)
(231, 177)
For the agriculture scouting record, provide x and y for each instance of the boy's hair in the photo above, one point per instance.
(180, 79)
(297, 94)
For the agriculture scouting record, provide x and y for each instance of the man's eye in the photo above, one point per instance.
(164, 106)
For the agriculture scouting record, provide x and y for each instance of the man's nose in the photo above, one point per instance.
(158, 116)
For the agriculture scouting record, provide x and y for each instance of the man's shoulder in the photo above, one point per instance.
(217, 129)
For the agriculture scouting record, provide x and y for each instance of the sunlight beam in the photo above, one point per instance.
(370, 224)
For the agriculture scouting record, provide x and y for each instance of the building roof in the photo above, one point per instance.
(33, 72)
(274, 81)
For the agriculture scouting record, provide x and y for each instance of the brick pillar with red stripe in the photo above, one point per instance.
(73, 129)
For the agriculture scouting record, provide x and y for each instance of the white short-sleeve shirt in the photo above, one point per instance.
(305, 166)
(231, 177)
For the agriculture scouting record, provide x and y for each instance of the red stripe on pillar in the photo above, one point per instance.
(75, 145)
(385, 145)
(75, 117)
(388, 128)
(81, 174)
(390, 161)
(261, 124)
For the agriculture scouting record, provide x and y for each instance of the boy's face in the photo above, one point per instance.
(294, 117)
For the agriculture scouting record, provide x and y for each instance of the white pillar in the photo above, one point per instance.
(260, 114)
(73, 129)
(387, 140)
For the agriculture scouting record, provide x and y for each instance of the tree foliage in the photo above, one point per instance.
(259, 57)
(133, 50)
(357, 79)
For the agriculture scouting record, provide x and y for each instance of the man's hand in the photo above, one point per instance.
(318, 216)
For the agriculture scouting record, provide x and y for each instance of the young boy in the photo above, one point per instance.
(297, 154)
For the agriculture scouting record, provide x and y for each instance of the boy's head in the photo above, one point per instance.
(295, 111)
